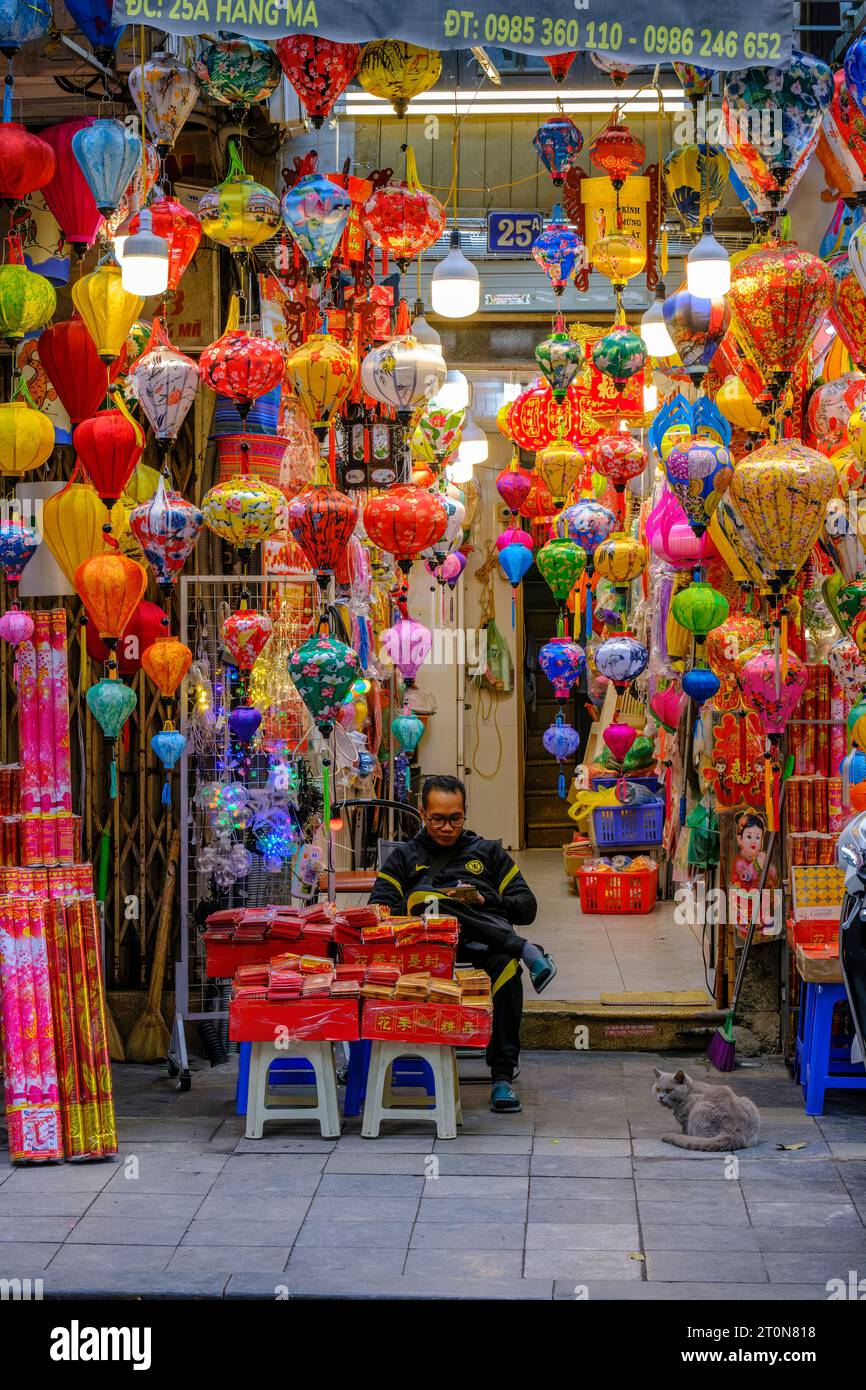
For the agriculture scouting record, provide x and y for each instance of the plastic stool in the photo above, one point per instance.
(326, 1109)
(406, 1073)
(286, 1071)
(823, 1066)
(380, 1102)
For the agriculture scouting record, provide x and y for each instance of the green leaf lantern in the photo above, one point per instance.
(560, 563)
(620, 354)
(111, 703)
(323, 670)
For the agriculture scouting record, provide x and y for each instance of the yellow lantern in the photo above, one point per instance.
(166, 661)
(322, 373)
(619, 257)
(838, 361)
(620, 559)
(26, 436)
(27, 302)
(72, 525)
(696, 176)
(239, 213)
(244, 511)
(724, 530)
(108, 310)
(849, 470)
(398, 71)
(558, 466)
(856, 429)
(781, 493)
(737, 406)
(502, 419)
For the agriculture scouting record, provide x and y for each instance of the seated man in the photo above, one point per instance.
(479, 884)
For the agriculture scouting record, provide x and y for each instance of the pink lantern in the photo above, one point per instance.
(770, 692)
(408, 645)
(16, 626)
(619, 739)
(672, 537)
(667, 705)
(514, 536)
(513, 485)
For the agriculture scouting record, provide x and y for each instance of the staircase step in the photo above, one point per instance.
(551, 1025)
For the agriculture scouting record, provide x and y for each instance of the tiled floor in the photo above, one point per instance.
(575, 1197)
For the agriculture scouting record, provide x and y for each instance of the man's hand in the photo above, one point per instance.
(467, 893)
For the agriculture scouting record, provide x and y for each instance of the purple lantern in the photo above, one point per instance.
(563, 662)
(408, 644)
(244, 723)
(562, 741)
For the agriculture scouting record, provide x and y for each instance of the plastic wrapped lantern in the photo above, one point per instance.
(558, 250)
(164, 382)
(109, 446)
(171, 92)
(558, 142)
(239, 213)
(321, 373)
(781, 493)
(699, 472)
(404, 521)
(27, 300)
(108, 310)
(403, 219)
(242, 366)
(67, 194)
(167, 528)
(26, 162)
(237, 71)
(563, 662)
(617, 153)
(696, 326)
(408, 644)
(319, 70)
(562, 741)
(179, 228)
(315, 211)
(107, 153)
(620, 354)
(398, 71)
(559, 359)
(621, 658)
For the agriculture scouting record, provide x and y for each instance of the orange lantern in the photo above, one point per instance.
(167, 661)
(111, 587)
(617, 153)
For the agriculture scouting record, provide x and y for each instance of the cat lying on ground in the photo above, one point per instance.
(713, 1118)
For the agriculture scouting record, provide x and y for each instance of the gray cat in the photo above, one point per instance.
(713, 1119)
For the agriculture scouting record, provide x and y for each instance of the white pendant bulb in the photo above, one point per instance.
(144, 267)
(708, 266)
(455, 290)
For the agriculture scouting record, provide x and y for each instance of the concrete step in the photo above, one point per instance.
(554, 1025)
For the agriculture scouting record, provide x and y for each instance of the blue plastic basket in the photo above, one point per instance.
(629, 825)
(652, 784)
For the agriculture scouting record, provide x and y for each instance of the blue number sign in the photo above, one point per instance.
(512, 233)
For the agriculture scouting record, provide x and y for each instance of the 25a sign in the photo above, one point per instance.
(512, 233)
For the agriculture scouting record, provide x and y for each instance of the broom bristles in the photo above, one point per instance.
(722, 1051)
(150, 1039)
(115, 1042)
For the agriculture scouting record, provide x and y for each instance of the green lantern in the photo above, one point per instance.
(561, 562)
(323, 670)
(408, 730)
(620, 354)
(111, 703)
(559, 360)
(850, 599)
(700, 609)
(27, 301)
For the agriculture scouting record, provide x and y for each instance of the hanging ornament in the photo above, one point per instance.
(616, 69)
(242, 366)
(617, 153)
(93, 18)
(735, 402)
(619, 457)
(620, 354)
(26, 162)
(696, 177)
(621, 658)
(73, 526)
(179, 228)
(244, 512)
(562, 741)
(68, 354)
(398, 71)
(107, 153)
(513, 485)
(237, 71)
(167, 528)
(558, 250)
(842, 539)
(559, 359)
(563, 663)
(699, 608)
(245, 635)
(668, 707)
(168, 745)
(26, 434)
(407, 643)
(321, 520)
(453, 534)
(559, 466)
(619, 257)
(171, 92)
(779, 296)
(557, 143)
(166, 661)
(323, 670)
(402, 372)
(111, 586)
(239, 213)
(781, 493)
(404, 521)
(403, 219)
(514, 561)
(700, 685)
(619, 738)
(792, 102)
(586, 522)
(697, 327)
(320, 70)
(620, 559)
(559, 64)
(109, 446)
(108, 310)
(699, 471)
(315, 211)
(16, 627)
(18, 545)
(560, 564)
(437, 434)
(726, 642)
(27, 300)
(831, 405)
(321, 373)
(146, 625)
(164, 382)
(22, 23)
(244, 722)
(408, 730)
(111, 703)
(67, 193)
(847, 665)
(771, 693)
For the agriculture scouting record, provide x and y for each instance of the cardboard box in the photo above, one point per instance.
(448, 1024)
(311, 1020)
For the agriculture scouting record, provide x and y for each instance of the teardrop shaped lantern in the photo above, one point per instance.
(109, 446)
(398, 71)
(321, 521)
(18, 545)
(167, 528)
(315, 212)
(181, 231)
(26, 162)
(322, 373)
(171, 92)
(557, 143)
(319, 70)
(559, 465)
(68, 194)
(107, 153)
(563, 663)
(27, 300)
(73, 526)
(239, 213)
(111, 586)
(164, 382)
(558, 250)
(242, 366)
(108, 310)
(68, 354)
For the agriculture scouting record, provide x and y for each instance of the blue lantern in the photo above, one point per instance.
(108, 153)
(558, 143)
(586, 522)
(563, 662)
(701, 684)
(18, 545)
(22, 21)
(558, 250)
(93, 18)
(514, 561)
(562, 741)
(315, 212)
(621, 658)
(168, 745)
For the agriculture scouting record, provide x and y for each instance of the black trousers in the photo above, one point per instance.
(503, 1050)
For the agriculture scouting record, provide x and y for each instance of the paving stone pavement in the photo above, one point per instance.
(576, 1197)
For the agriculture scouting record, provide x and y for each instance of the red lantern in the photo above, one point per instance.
(109, 446)
(617, 153)
(242, 366)
(26, 162)
(513, 484)
(320, 70)
(535, 418)
(144, 627)
(246, 632)
(618, 457)
(68, 354)
(559, 64)
(180, 228)
(403, 219)
(538, 501)
(405, 520)
(68, 193)
(321, 522)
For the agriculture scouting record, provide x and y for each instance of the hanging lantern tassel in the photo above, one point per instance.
(589, 589)
(768, 790)
(845, 774)
(561, 785)
(784, 640)
(326, 793)
(777, 659)
(112, 773)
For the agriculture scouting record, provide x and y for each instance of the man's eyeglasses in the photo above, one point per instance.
(440, 822)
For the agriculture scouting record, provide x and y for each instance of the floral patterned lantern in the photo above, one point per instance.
(781, 493)
(559, 465)
(171, 92)
(245, 634)
(697, 327)
(773, 694)
(563, 662)
(794, 100)
(321, 520)
(402, 218)
(617, 153)
(68, 193)
(398, 71)
(167, 528)
(562, 741)
(164, 382)
(534, 418)
(699, 471)
(696, 177)
(18, 545)
(559, 359)
(237, 71)
(779, 296)
(323, 670)
(558, 142)
(180, 228)
(560, 563)
(322, 373)
(242, 366)
(620, 354)
(558, 250)
(616, 69)
(831, 406)
(402, 372)
(107, 153)
(315, 211)
(244, 511)
(848, 309)
(239, 213)
(621, 658)
(320, 70)
(618, 257)
(586, 522)
(619, 457)
(404, 521)
(437, 434)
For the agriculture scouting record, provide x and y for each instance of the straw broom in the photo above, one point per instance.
(150, 1038)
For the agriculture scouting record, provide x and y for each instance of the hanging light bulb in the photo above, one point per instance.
(144, 268)
(424, 332)
(708, 266)
(460, 471)
(454, 395)
(654, 330)
(473, 447)
(454, 286)
(650, 397)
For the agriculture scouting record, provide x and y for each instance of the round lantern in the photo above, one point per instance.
(830, 407)
(620, 559)
(697, 327)
(619, 257)
(699, 471)
(323, 670)
(779, 296)
(320, 70)
(239, 213)
(736, 404)
(315, 211)
(407, 644)
(111, 586)
(403, 219)
(26, 437)
(402, 372)
(696, 176)
(179, 228)
(587, 522)
(26, 162)
(781, 493)
(699, 608)
(109, 446)
(166, 661)
(770, 692)
(557, 143)
(243, 511)
(729, 639)
(618, 457)
(245, 635)
(321, 520)
(560, 564)
(27, 300)
(171, 91)
(67, 193)
(404, 521)
(563, 663)
(167, 528)
(538, 504)
(513, 485)
(559, 466)
(558, 250)
(164, 382)
(534, 418)
(620, 354)
(73, 526)
(617, 153)
(562, 741)
(700, 684)
(842, 539)
(242, 366)
(621, 659)
(398, 71)
(108, 310)
(322, 373)
(559, 359)
(237, 71)
(107, 153)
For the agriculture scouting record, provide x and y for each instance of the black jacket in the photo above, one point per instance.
(404, 885)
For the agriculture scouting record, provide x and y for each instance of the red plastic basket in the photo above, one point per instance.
(632, 892)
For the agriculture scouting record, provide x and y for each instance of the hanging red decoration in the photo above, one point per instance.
(617, 153)
(242, 366)
(403, 219)
(321, 521)
(144, 627)
(619, 457)
(538, 501)
(404, 521)
(180, 228)
(320, 70)
(559, 64)
(512, 484)
(534, 418)
(109, 446)
(68, 354)
(67, 193)
(245, 635)
(26, 162)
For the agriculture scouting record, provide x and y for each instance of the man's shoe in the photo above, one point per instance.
(504, 1099)
(541, 972)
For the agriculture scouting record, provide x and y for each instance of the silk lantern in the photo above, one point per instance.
(794, 101)
(22, 22)
(562, 741)
(403, 219)
(514, 561)
(73, 526)
(18, 545)
(621, 658)
(563, 662)
(560, 564)
(559, 64)
(170, 92)
(108, 310)
(736, 404)
(558, 142)
(26, 435)
(619, 739)
(26, 162)
(243, 511)
(620, 354)
(321, 520)
(559, 466)
(181, 231)
(27, 300)
(780, 295)
(144, 627)
(164, 382)
(319, 70)
(398, 71)
(167, 528)
(559, 359)
(403, 521)
(848, 309)
(93, 18)
(323, 670)
(109, 446)
(781, 493)
(67, 193)
(558, 250)
(587, 522)
(617, 153)
(773, 694)
(166, 661)
(513, 485)
(699, 608)
(315, 212)
(321, 373)
(111, 587)
(618, 257)
(700, 684)
(245, 635)
(168, 745)
(111, 703)
(620, 559)
(239, 213)
(107, 153)
(242, 366)
(402, 372)
(698, 473)
(696, 326)
(68, 354)
(16, 627)
(407, 644)
(618, 457)
(237, 71)
(696, 177)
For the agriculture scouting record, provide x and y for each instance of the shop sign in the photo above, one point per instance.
(512, 233)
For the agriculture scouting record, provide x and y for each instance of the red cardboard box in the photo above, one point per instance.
(313, 1020)
(451, 1024)
(224, 957)
(439, 960)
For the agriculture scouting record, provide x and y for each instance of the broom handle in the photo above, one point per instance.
(741, 972)
(154, 993)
